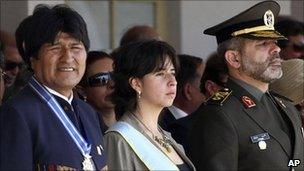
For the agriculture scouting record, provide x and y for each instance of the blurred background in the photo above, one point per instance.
(179, 22)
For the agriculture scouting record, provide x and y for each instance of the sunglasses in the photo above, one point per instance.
(100, 79)
(12, 65)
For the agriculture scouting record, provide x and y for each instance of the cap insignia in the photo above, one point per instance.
(269, 18)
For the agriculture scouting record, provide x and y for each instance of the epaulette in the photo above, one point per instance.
(219, 97)
(279, 96)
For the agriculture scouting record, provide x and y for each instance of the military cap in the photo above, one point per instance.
(256, 22)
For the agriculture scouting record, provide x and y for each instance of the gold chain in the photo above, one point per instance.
(164, 141)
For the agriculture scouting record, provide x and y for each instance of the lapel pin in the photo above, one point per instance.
(99, 149)
(282, 104)
(248, 102)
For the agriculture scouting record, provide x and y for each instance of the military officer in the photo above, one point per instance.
(244, 126)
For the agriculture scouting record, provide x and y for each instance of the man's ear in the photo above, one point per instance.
(233, 58)
(211, 87)
(33, 62)
(135, 84)
(187, 91)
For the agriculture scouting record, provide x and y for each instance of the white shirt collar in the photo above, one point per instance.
(177, 113)
(69, 100)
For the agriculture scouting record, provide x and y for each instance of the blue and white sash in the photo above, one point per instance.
(81, 143)
(149, 154)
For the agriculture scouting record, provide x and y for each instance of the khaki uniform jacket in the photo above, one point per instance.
(122, 157)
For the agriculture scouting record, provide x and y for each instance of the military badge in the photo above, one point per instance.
(220, 96)
(261, 140)
(248, 102)
(269, 19)
(262, 145)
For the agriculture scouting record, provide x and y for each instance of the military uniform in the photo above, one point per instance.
(234, 131)
(242, 127)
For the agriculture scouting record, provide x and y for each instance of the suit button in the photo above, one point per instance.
(66, 108)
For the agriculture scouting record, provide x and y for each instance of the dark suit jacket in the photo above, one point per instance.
(220, 138)
(179, 130)
(33, 137)
(165, 119)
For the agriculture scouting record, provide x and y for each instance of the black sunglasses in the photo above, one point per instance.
(12, 65)
(100, 79)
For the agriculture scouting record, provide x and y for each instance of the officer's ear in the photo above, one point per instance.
(233, 58)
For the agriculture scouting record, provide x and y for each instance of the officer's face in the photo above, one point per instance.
(61, 65)
(261, 60)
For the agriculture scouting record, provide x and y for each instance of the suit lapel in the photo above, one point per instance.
(259, 115)
(296, 125)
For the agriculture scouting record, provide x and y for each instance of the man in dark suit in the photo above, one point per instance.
(214, 78)
(244, 126)
(188, 96)
(44, 127)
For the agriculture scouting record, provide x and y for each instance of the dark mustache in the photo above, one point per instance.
(274, 57)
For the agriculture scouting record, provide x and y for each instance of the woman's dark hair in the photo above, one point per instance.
(135, 60)
(44, 25)
(92, 57)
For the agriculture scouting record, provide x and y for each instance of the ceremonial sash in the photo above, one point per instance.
(149, 154)
(81, 143)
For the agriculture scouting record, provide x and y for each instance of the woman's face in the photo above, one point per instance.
(99, 95)
(159, 89)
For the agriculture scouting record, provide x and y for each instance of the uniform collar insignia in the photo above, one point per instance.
(247, 102)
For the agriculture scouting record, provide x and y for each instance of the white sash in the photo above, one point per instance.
(148, 153)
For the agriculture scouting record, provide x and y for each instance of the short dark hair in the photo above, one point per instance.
(289, 27)
(44, 25)
(138, 33)
(188, 70)
(137, 60)
(92, 57)
(215, 69)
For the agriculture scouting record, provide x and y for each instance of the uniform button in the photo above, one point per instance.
(293, 169)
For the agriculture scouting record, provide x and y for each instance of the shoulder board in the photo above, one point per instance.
(280, 96)
(219, 97)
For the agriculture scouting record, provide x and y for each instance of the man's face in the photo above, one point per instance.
(261, 60)
(12, 64)
(197, 96)
(61, 65)
(294, 48)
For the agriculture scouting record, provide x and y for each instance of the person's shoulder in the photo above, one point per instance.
(24, 100)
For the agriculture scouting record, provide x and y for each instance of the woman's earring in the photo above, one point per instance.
(139, 94)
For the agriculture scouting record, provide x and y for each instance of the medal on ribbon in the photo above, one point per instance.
(83, 146)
